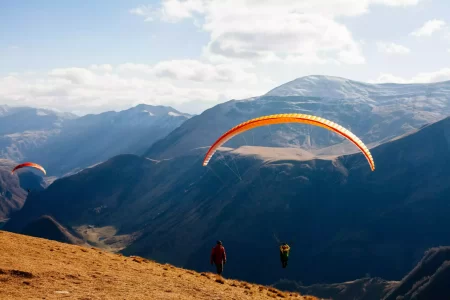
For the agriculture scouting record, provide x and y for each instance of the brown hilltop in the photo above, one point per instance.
(35, 268)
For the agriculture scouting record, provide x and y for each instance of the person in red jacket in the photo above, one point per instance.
(218, 257)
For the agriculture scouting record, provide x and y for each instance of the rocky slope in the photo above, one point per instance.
(360, 289)
(428, 280)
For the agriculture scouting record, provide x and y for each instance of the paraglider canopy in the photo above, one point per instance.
(290, 118)
(29, 164)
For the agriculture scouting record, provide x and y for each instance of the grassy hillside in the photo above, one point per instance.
(34, 268)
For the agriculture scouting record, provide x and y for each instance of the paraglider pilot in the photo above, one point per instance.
(218, 257)
(284, 254)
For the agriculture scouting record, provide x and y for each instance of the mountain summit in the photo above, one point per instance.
(322, 86)
(374, 112)
(337, 87)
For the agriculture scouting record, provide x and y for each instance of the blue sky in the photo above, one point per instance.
(93, 56)
(52, 34)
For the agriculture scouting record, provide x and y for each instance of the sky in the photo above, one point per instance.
(91, 56)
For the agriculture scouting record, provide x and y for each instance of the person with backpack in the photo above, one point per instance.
(284, 254)
(218, 257)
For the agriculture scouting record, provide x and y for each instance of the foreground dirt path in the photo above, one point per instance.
(33, 268)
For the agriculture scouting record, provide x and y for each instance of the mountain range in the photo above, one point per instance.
(374, 112)
(63, 142)
(333, 210)
(321, 198)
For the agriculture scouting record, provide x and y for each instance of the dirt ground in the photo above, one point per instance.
(34, 268)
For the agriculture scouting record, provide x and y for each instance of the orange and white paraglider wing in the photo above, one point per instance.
(29, 164)
(290, 118)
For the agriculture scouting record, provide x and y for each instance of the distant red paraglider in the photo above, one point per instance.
(29, 164)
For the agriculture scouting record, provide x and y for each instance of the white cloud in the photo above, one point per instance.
(397, 2)
(198, 71)
(425, 77)
(428, 28)
(194, 70)
(392, 48)
(104, 68)
(73, 75)
(174, 10)
(104, 87)
(292, 36)
(133, 67)
(145, 11)
(170, 10)
(275, 30)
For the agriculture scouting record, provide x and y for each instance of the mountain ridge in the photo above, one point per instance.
(375, 113)
(63, 142)
(298, 86)
(48, 228)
